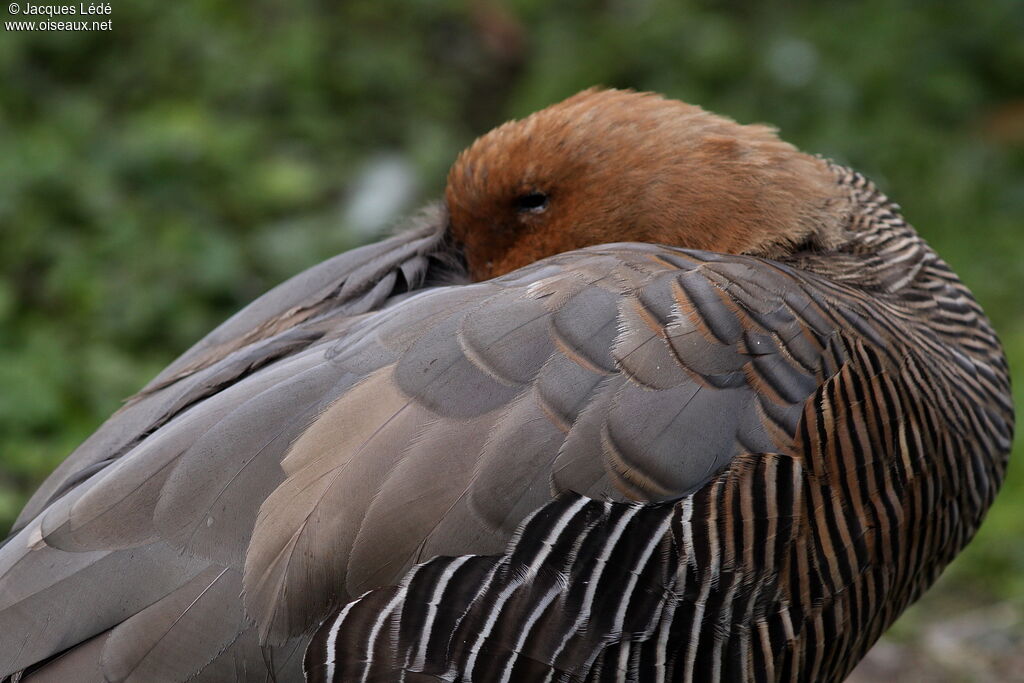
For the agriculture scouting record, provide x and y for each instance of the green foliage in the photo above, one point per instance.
(155, 178)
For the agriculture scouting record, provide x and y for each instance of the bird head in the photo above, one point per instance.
(614, 166)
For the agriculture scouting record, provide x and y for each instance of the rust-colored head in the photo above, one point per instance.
(614, 166)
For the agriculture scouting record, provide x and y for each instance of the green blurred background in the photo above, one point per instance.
(155, 178)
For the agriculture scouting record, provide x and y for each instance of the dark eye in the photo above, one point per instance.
(531, 202)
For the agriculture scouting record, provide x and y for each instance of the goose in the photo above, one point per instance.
(650, 395)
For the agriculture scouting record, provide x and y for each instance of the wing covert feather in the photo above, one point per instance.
(99, 508)
(570, 374)
(351, 279)
(200, 618)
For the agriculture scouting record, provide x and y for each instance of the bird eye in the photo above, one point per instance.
(531, 202)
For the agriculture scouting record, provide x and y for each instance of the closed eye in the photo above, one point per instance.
(531, 202)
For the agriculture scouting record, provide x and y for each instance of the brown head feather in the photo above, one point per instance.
(612, 166)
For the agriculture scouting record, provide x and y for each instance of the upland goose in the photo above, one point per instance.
(651, 396)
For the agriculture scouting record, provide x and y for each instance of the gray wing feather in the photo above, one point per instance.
(115, 511)
(498, 398)
(81, 665)
(201, 618)
(54, 600)
(352, 279)
(344, 278)
(336, 449)
(209, 503)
